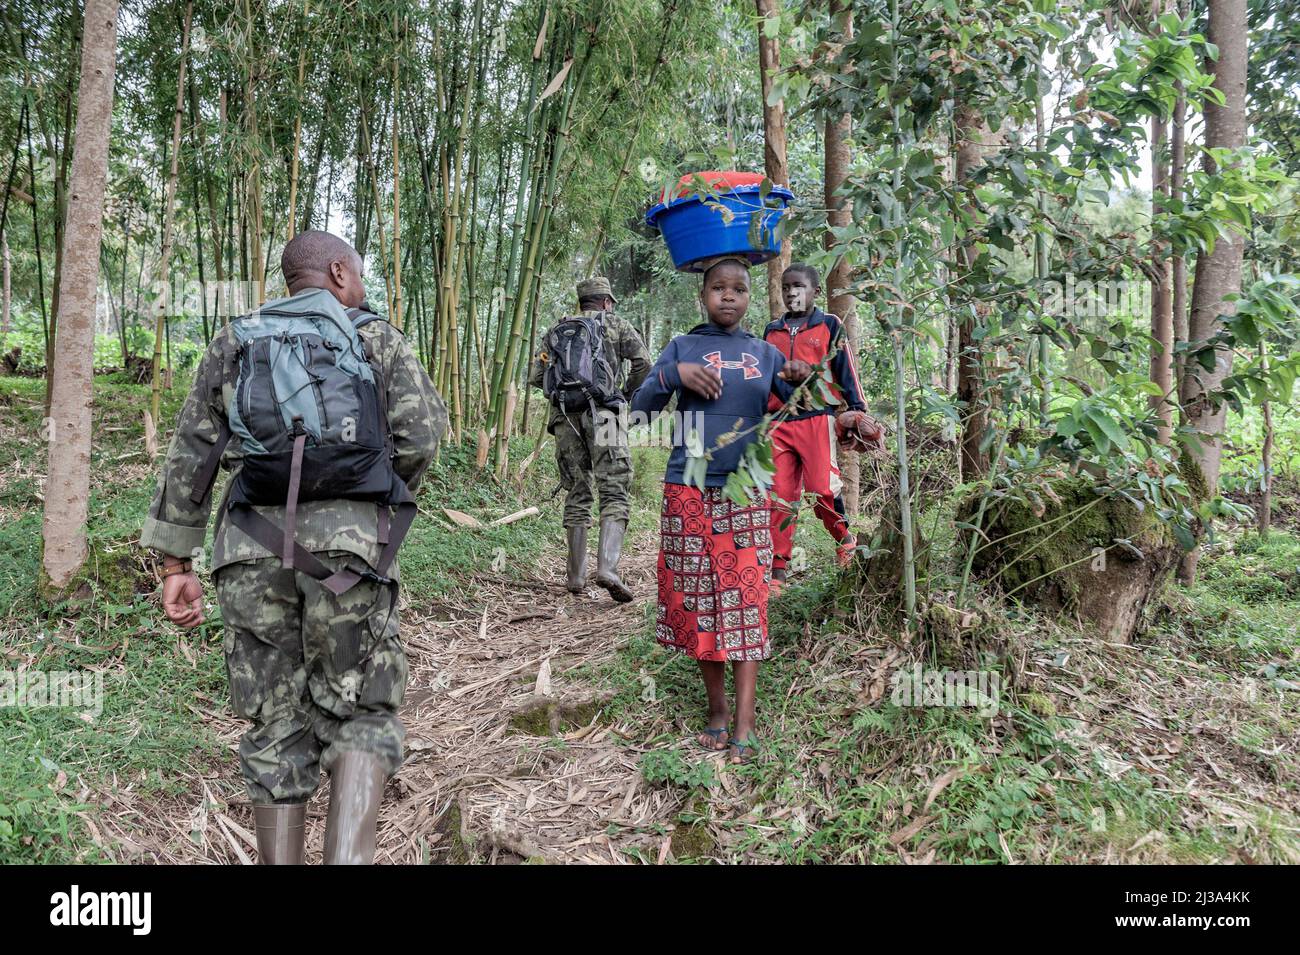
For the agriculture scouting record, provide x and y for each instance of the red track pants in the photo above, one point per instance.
(804, 454)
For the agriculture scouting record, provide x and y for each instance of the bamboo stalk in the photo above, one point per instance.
(160, 309)
(396, 313)
(501, 349)
(378, 207)
(602, 229)
(214, 220)
(563, 130)
(456, 250)
(474, 345)
(251, 220)
(297, 147)
(198, 237)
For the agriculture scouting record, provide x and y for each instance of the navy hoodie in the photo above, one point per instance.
(749, 368)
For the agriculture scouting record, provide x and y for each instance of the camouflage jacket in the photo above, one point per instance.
(417, 418)
(622, 343)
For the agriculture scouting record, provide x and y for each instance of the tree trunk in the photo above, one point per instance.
(1266, 455)
(1064, 556)
(1162, 314)
(839, 301)
(4, 302)
(67, 490)
(1162, 306)
(972, 134)
(1177, 174)
(1218, 273)
(774, 160)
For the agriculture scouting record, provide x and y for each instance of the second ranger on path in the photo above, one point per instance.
(577, 367)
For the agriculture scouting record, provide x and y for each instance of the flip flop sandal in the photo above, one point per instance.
(743, 748)
(717, 737)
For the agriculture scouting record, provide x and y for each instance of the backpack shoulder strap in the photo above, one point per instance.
(207, 473)
(363, 316)
(360, 318)
(206, 476)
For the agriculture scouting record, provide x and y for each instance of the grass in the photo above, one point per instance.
(1069, 770)
(56, 764)
(51, 756)
(437, 558)
(844, 777)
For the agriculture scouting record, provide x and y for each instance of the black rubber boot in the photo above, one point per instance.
(280, 832)
(356, 788)
(607, 555)
(577, 567)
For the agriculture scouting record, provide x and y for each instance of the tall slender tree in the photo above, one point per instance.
(775, 165)
(1162, 303)
(67, 489)
(839, 300)
(1218, 271)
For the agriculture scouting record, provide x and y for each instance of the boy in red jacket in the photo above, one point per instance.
(803, 445)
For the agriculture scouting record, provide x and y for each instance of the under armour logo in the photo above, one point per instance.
(748, 363)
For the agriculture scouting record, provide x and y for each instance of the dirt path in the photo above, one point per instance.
(500, 771)
(495, 771)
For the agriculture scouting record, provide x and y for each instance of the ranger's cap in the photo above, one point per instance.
(594, 288)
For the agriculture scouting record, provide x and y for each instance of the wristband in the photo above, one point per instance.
(184, 567)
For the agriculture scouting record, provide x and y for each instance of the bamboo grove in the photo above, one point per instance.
(464, 145)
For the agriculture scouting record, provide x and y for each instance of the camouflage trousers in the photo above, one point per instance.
(317, 674)
(588, 454)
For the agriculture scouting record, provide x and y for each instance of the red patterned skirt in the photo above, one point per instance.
(715, 560)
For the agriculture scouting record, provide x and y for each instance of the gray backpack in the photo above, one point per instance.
(309, 413)
(578, 375)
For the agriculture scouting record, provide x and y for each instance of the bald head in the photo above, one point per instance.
(315, 259)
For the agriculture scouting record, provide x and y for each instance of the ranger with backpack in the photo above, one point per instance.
(326, 421)
(578, 367)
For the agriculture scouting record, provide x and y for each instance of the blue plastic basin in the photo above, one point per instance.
(694, 230)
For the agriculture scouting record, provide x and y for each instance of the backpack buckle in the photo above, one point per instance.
(298, 430)
(370, 575)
